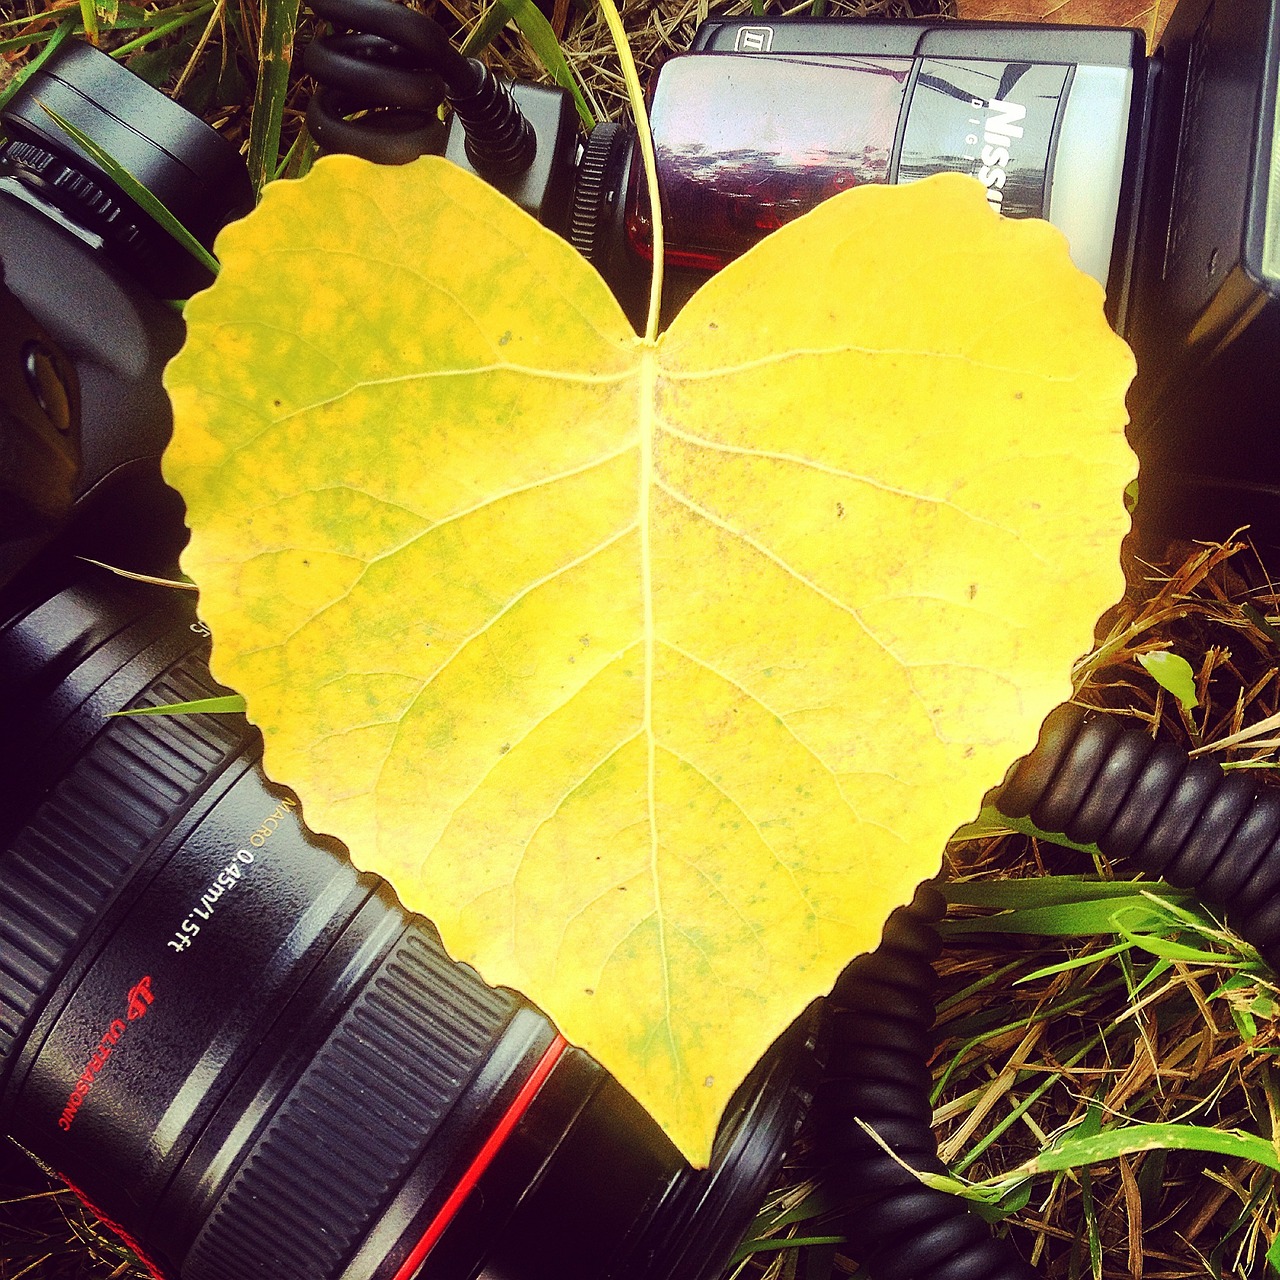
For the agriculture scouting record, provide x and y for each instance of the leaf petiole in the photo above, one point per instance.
(644, 139)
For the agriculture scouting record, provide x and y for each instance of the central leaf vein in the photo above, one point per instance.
(645, 409)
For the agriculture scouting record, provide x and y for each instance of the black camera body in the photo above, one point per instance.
(239, 1050)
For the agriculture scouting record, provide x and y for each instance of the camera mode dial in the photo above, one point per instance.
(590, 213)
(76, 194)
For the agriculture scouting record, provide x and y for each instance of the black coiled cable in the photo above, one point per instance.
(881, 1038)
(1096, 782)
(1189, 821)
(385, 73)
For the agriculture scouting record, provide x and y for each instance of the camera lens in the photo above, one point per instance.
(245, 1055)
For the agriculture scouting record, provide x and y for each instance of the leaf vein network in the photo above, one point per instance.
(514, 491)
(480, 631)
(755, 826)
(471, 371)
(552, 284)
(777, 715)
(391, 552)
(586, 906)
(826, 595)
(772, 556)
(622, 942)
(484, 777)
(701, 442)
(968, 606)
(709, 958)
(851, 348)
(316, 490)
(331, 253)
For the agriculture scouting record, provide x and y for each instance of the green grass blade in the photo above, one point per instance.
(1260, 622)
(224, 705)
(1084, 999)
(89, 17)
(535, 28)
(1075, 1152)
(299, 158)
(275, 56)
(55, 41)
(996, 976)
(1021, 1108)
(164, 29)
(1090, 1212)
(991, 822)
(1013, 1201)
(1052, 891)
(1070, 919)
(1273, 1254)
(1166, 949)
(787, 1242)
(1076, 962)
(134, 190)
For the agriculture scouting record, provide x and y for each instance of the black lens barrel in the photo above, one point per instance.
(245, 1053)
(189, 168)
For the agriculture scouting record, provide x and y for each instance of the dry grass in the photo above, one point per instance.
(1189, 1043)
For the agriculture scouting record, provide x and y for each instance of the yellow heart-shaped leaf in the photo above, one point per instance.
(656, 673)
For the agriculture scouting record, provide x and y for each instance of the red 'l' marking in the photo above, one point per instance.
(484, 1158)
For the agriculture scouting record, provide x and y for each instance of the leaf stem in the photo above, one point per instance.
(644, 139)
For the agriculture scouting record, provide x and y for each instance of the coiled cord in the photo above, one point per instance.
(881, 1016)
(1096, 782)
(1189, 821)
(384, 75)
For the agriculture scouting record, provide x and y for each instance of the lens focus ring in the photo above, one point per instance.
(92, 831)
(362, 1112)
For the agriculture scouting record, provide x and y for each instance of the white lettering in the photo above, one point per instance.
(1004, 120)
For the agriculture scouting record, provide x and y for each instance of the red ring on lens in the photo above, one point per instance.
(483, 1159)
